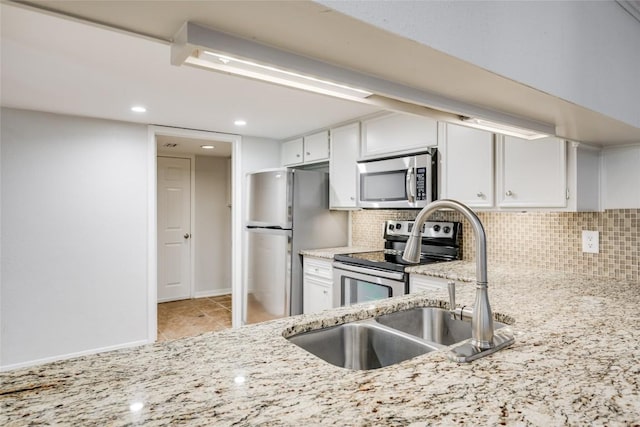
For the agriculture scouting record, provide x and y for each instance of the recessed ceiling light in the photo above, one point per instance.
(207, 147)
(138, 109)
(240, 122)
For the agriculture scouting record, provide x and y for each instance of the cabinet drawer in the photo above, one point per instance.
(318, 267)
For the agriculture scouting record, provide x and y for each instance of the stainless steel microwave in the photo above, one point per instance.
(398, 182)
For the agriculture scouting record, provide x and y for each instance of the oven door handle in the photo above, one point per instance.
(409, 186)
(368, 271)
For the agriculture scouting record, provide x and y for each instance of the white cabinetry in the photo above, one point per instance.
(394, 134)
(291, 152)
(343, 171)
(531, 173)
(621, 177)
(420, 283)
(317, 285)
(310, 149)
(467, 172)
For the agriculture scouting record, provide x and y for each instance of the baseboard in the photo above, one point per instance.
(213, 293)
(30, 363)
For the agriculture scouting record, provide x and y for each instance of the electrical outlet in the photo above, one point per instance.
(590, 241)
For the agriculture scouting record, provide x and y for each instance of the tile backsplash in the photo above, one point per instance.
(534, 239)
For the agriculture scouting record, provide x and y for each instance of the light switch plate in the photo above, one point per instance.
(591, 242)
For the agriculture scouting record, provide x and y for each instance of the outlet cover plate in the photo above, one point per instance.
(590, 242)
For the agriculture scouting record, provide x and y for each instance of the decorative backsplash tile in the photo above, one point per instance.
(534, 239)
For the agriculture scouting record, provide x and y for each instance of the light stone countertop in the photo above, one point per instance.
(329, 253)
(576, 361)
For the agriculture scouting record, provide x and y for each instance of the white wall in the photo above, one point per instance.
(212, 238)
(73, 237)
(583, 51)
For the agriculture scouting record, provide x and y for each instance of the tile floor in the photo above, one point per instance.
(187, 318)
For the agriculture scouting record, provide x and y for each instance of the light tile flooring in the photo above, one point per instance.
(187, 318)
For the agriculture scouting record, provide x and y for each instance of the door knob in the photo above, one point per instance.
(187, 235)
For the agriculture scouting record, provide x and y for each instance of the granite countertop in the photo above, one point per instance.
(329, 253)
(576, 361)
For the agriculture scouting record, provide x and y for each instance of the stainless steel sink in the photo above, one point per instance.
(431, 324)
(362, 345)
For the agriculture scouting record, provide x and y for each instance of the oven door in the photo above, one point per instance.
(354, 284)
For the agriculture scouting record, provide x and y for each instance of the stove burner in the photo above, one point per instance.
(439, 243)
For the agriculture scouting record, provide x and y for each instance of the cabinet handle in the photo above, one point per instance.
(297, 155)
(325, 292)
(509, 193)
(480, 194)
(308, 153)
(352, 198)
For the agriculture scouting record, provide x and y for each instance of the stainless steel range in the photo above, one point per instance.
(368, 276)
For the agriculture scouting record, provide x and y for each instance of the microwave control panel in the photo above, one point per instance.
(421, 183)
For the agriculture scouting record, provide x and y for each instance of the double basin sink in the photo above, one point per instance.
(387, 339)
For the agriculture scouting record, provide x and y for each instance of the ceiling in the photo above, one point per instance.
(70, 67)
(173, 145)
(179, 96)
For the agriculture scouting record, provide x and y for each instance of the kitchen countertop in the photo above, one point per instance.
(576, 360)
(329, 253)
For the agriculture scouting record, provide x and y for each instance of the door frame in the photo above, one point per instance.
(152, 229)
(192, 214)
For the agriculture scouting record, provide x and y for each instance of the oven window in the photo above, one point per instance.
(383, 186)
(355, 291)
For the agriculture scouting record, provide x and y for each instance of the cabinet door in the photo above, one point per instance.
(316, 147)
(291, 152)
(343, 170)
(317, 295)
(397, 134)
(531, 173)
(621, 177)
(467, 174)
(420, 283)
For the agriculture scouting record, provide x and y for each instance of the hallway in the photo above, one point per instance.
(186, 318)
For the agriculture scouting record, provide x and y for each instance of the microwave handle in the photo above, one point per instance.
(411, 194)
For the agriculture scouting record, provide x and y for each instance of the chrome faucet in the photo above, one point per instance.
(483, 339)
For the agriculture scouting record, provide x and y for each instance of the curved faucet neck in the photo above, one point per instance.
(478, 231)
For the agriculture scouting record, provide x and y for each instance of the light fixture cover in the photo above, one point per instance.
(502, 128)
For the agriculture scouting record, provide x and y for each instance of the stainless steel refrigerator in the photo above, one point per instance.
(288, 211)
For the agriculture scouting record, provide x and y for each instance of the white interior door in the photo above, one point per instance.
(174, 228)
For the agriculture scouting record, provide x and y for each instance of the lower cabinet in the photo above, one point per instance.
(420, 283)
(317, 285)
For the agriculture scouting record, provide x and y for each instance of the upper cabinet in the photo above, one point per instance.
(621, 180)
(531, 173)
(395, 134)
(466, 165)
(343, 171)
(291, 152)
(316, 147)
(310, 149)
(544, 174)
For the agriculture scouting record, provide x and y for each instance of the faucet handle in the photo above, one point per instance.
(452, 294)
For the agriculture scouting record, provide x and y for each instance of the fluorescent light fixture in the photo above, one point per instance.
(207, 147)
(269, 73)
(215, 50)
(503, 128)
(240, 122)
(138, 109)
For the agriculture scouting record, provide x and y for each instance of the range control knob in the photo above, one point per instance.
(391, 227)
(446, 229)
(398, 226)
(436, 228)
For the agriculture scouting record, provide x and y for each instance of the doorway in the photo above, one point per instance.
(195, 227)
